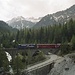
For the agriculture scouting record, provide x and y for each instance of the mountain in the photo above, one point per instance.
(34, 20)
(56, 18)
(20, 23)
(4, 27)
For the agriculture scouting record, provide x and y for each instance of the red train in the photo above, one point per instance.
(48, 45)
(38, 46)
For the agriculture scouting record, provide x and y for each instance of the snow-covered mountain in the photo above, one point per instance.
(50, 19)
(20, 23)
(58, 17)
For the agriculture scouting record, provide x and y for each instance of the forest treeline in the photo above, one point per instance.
(51, 34)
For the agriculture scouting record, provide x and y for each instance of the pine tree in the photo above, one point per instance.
(73, 42)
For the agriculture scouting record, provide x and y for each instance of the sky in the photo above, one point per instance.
(31, 8)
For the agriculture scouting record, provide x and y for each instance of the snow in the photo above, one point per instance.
(65, 66)
(19, 18)
(13, 41)
(27, 26)
(67, 16)
(15, 19)
(61, 16)
(56, 18)
(50, 17)
(22, 24)
(65, 22)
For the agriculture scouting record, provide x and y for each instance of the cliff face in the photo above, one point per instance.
(65, 66)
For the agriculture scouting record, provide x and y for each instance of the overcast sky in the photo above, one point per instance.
(31, 8)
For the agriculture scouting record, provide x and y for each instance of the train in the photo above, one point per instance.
(38, 46)
(26, 46)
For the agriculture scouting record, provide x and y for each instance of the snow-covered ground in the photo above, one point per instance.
(65, 66)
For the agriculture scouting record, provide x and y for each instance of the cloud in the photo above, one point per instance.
(29, 8)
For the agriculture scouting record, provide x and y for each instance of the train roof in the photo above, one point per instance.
(26, 44)
(48, 44)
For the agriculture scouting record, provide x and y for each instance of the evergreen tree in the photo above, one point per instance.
(73, 42)
(3, 60)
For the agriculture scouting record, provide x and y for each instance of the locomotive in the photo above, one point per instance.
(26, 46)
(38, 46)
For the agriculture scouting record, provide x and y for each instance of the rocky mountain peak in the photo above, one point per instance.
(20, 23)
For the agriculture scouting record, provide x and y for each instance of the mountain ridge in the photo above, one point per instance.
(5, 27)
(56, 18)
(59, 17)
(20, 22)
